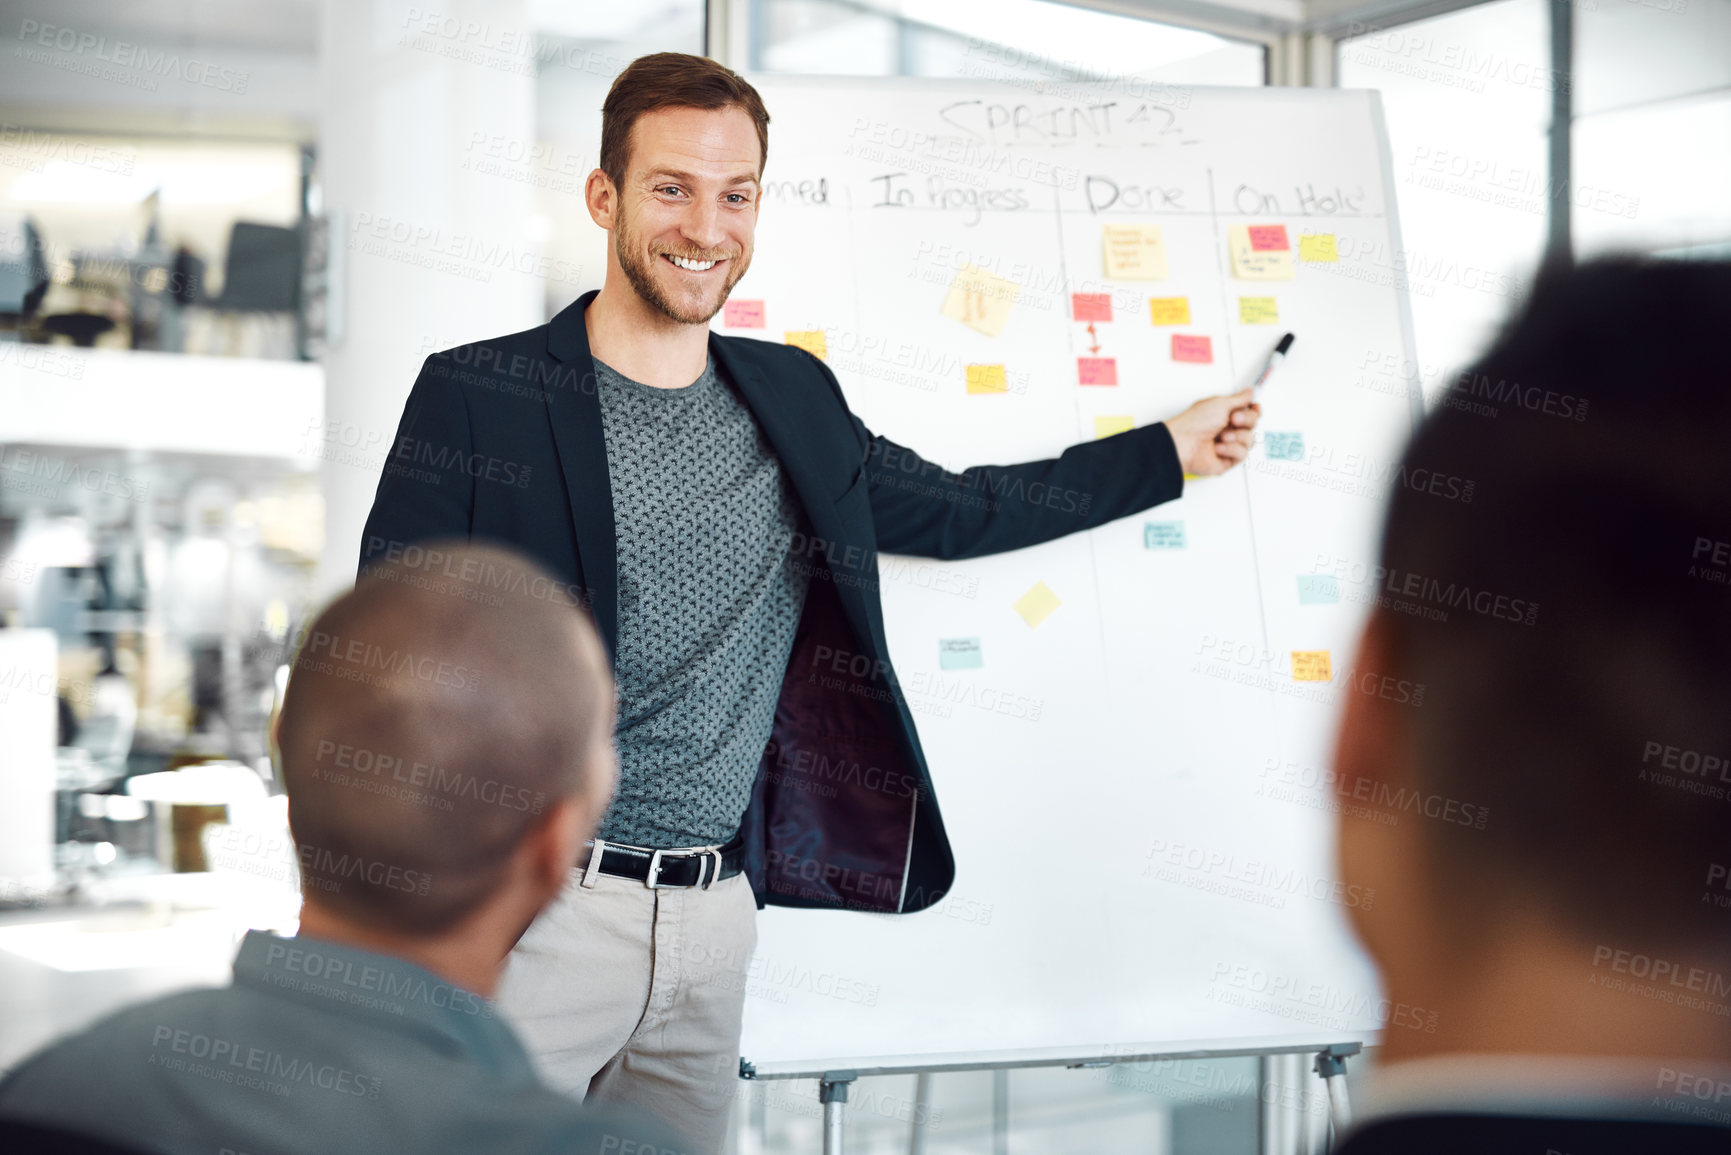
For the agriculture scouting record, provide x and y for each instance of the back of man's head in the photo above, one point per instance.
(434, 715)
(1571, 621)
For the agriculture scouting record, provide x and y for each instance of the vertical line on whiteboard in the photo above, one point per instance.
(1232, 368)
(1076, 396)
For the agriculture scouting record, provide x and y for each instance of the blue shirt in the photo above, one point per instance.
(316, 1048)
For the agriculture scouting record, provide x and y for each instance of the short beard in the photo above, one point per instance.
(637, 272)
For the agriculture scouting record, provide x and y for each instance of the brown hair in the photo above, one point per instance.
(672, 80)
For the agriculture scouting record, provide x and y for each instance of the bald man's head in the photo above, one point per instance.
(433, 714)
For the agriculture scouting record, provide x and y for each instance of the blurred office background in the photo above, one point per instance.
(231, 231)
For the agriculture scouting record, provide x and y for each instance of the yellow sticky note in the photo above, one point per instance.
(1311, 666)
(811, 340)
(980, 300)
(986, 379)
(1107, 426)
(1258, 311)
(1317, 248)
(1037, 604)
(1170, 310)
(1260, 252)
(1134, 252)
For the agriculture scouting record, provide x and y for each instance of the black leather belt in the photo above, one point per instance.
(661, 869)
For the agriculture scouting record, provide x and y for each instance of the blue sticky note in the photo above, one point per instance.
(1318, 589)
(960, 654)
(1285, 446)
(1163, 535)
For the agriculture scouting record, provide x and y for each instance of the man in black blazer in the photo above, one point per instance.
(720, 511)
(1549, 835)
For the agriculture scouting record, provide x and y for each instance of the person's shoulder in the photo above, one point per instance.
(488, 351)
(518, 364)
(127, 1037)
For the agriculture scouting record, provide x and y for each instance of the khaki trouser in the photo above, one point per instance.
(634, 996)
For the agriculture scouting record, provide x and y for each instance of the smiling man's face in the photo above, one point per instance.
(686, 212)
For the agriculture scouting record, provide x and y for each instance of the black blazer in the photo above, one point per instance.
(501, 441)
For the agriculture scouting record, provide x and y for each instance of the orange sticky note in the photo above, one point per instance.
(1194, 350)
(1169, 310)
(980, 300)
(1091, 306)
(1311, 666)
(1097, 370)
(987, 379)
(743, 315)
(1108, 426)
(811, 340)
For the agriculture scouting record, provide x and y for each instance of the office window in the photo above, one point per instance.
(1652, 127)
(1467, 99)
(995, 39)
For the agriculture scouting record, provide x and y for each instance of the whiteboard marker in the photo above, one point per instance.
(1274, 360)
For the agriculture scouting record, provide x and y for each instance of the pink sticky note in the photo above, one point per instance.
(743, 315)
(1268, 239)
(1197, 350)
(1091, 306)
(1097, 370)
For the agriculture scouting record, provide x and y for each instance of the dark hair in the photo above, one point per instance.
(672, 80)
(1596, 438)
(433, 714)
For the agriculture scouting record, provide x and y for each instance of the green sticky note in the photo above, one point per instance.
(960, 654)
(1163, 535)
(1318, 589)
(1285, 446)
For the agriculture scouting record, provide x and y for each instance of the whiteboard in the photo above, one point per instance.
(1134, 787)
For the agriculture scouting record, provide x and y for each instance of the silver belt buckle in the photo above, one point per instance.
(715, 874)
(652, 880)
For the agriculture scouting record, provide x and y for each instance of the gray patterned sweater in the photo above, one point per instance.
(709, 597)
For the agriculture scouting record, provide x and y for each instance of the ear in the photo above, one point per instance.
(556, 843)
(1370, 748)
(601, 198)
(1372, 761)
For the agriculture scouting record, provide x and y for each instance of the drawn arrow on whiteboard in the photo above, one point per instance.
(1094, 337)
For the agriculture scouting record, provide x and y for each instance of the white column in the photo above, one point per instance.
(28, 723)
(417, 100)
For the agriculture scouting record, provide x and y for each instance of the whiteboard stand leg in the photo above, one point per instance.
(922, 1113)
(832, 1093)
(1331, 1065)
(1268, 1109)
(1001, 1111)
